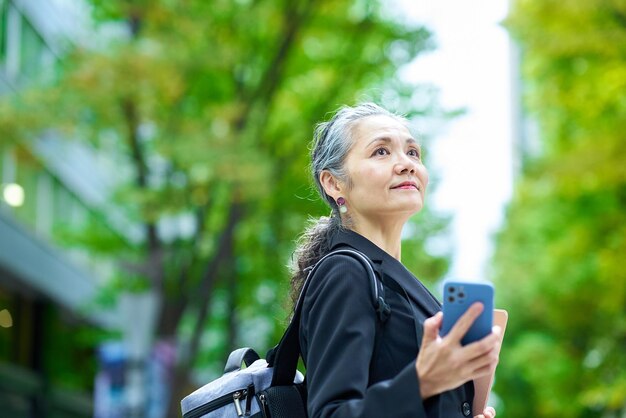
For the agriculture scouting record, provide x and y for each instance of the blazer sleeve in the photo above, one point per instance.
(338, 331)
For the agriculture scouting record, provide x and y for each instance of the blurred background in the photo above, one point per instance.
(153, 181)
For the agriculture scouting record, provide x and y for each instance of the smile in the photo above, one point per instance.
(406, 186)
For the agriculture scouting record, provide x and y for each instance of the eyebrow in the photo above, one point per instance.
(409, 140)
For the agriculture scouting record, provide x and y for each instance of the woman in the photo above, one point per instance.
(368, 168)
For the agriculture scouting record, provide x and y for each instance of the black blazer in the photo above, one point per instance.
(352, 372)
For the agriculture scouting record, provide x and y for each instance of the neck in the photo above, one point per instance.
(386, 235)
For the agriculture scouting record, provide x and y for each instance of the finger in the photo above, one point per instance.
(497, 330)
(465, 321)
(431, 328)
(476, 370)
(489, 412)
(487, 360)
(489, 357)
(438, 320)
(483, 346)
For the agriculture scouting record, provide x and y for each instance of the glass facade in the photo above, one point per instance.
(27, 372)
(32, 49)
(2, 164)
(3, 34)
(25, 57)
(50, 210)
(47, 361)
(26, 177)
(46, 367)
(7, 173)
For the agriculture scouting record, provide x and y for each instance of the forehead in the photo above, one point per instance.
(379, 126)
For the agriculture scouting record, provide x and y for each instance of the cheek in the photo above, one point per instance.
(362, 175)
(424, 176)
(369, 173)
(371, 179)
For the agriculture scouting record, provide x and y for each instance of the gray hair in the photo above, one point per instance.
(332, 142)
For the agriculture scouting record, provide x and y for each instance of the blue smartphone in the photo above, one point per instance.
(458, 296)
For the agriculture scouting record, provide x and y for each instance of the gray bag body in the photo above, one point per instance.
(235, 393)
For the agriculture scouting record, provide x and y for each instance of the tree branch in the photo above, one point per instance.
(293, 22)
(155, 258)
(208, 278)
(225, 244)
(173, 311)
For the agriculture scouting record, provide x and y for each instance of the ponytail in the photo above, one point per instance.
(312, 245)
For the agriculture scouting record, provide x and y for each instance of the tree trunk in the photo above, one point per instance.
(229, 274)
(180, 382)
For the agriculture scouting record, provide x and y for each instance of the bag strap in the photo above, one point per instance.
(284, 357)
(241, 355)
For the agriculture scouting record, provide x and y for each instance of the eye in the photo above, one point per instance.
(381, 151)
(414, 152)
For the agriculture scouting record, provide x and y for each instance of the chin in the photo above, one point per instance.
(410, 210)
(417, 210)
(417, 207)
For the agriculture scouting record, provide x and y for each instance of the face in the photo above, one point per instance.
(386, 171)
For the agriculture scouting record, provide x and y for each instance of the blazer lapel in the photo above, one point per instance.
(417, 292)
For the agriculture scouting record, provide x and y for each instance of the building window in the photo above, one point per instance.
(3, 31)
(8, 167)
(24, 54)
(45, 206)
(31, 50)
(7, 312)
(26, 177)
(50, 68)
(12, 41)
(7, 175)
(3, 153)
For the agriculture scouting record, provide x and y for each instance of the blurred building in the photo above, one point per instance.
(47, 189)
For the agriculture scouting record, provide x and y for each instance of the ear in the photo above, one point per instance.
(331, 185)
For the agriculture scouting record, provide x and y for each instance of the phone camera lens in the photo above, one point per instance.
(461, 295)
(450, 298)
(451, 289)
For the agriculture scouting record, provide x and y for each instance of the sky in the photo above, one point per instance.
(472, 156)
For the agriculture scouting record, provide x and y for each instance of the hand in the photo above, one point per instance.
(444, 364)
(489, 412)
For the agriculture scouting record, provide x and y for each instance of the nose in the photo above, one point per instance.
(405, 165)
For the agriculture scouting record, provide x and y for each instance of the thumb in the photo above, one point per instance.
(431, 328)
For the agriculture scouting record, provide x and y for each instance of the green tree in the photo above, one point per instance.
(208, 107)
(560, 255)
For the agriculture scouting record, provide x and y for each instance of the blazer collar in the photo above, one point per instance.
(386, 265)
(346, 237)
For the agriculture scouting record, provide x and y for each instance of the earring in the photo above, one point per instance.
(341, 202)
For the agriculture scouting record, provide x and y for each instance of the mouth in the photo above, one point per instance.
(407, 185)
